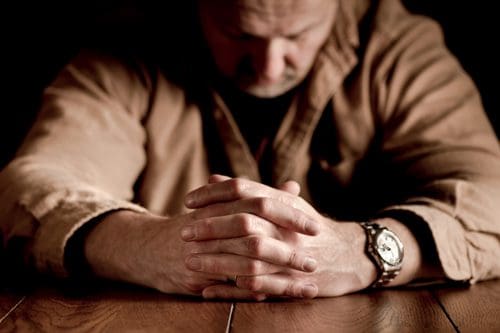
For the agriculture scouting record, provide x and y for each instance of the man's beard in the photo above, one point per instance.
(246, 79)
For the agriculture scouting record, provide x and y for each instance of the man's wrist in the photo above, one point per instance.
(364, 266)
(106, 246)
(75, 261)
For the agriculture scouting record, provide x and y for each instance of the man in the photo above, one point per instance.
(311, 117)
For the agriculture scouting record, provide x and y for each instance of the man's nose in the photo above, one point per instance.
(270, 61)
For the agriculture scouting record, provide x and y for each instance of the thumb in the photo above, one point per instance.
(215, 178)
(291, 187)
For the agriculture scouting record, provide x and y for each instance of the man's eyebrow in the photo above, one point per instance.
(228, 25)
(304, 29)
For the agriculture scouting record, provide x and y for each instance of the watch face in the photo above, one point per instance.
(389, 248)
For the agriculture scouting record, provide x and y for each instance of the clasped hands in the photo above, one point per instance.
(271, 241)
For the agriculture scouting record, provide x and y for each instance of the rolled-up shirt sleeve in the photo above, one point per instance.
(443, 152)
(80, 160)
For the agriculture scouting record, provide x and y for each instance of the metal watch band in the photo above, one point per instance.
(385, 278)
(384, 273)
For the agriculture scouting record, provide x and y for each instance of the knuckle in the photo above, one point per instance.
(217, 245)
(254, 245)
(263, 205)
(246, 222)
(205, 227)
(251, 283)
(292, 258)
(237, 187)
(251, 224)
(254, 267)
(193, 247)
(213, 266)
(299, 219)
(293, 289)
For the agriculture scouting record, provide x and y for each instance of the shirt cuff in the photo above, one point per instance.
(447, 235)
(61, 222)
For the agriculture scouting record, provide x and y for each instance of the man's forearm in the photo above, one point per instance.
(147, 250)
(108, 246)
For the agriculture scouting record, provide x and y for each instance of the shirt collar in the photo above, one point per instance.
(338, 56)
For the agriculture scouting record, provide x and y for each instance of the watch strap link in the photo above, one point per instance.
(384, 277)
(385, 274)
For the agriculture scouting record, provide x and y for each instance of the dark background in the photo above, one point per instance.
(39, 37)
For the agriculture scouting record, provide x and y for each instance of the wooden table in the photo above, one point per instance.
(117, 308)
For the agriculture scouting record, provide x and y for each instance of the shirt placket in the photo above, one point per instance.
(241, 159)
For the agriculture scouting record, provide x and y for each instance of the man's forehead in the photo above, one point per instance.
(270, 7)
(278, 8)
(287, 13)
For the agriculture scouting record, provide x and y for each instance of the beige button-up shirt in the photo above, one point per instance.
(387, 121)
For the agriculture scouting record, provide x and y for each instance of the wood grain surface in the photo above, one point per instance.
(388, 311)
(8, 301)
(473, 309)
(116, 310)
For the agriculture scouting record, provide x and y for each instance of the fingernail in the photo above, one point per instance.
(309, 291)
(194, 263)
(312, 228)
(309, 265)
(187, 233)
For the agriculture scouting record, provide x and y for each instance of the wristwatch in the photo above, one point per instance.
(386, 250)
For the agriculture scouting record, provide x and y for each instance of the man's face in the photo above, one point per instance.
(266, 47)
